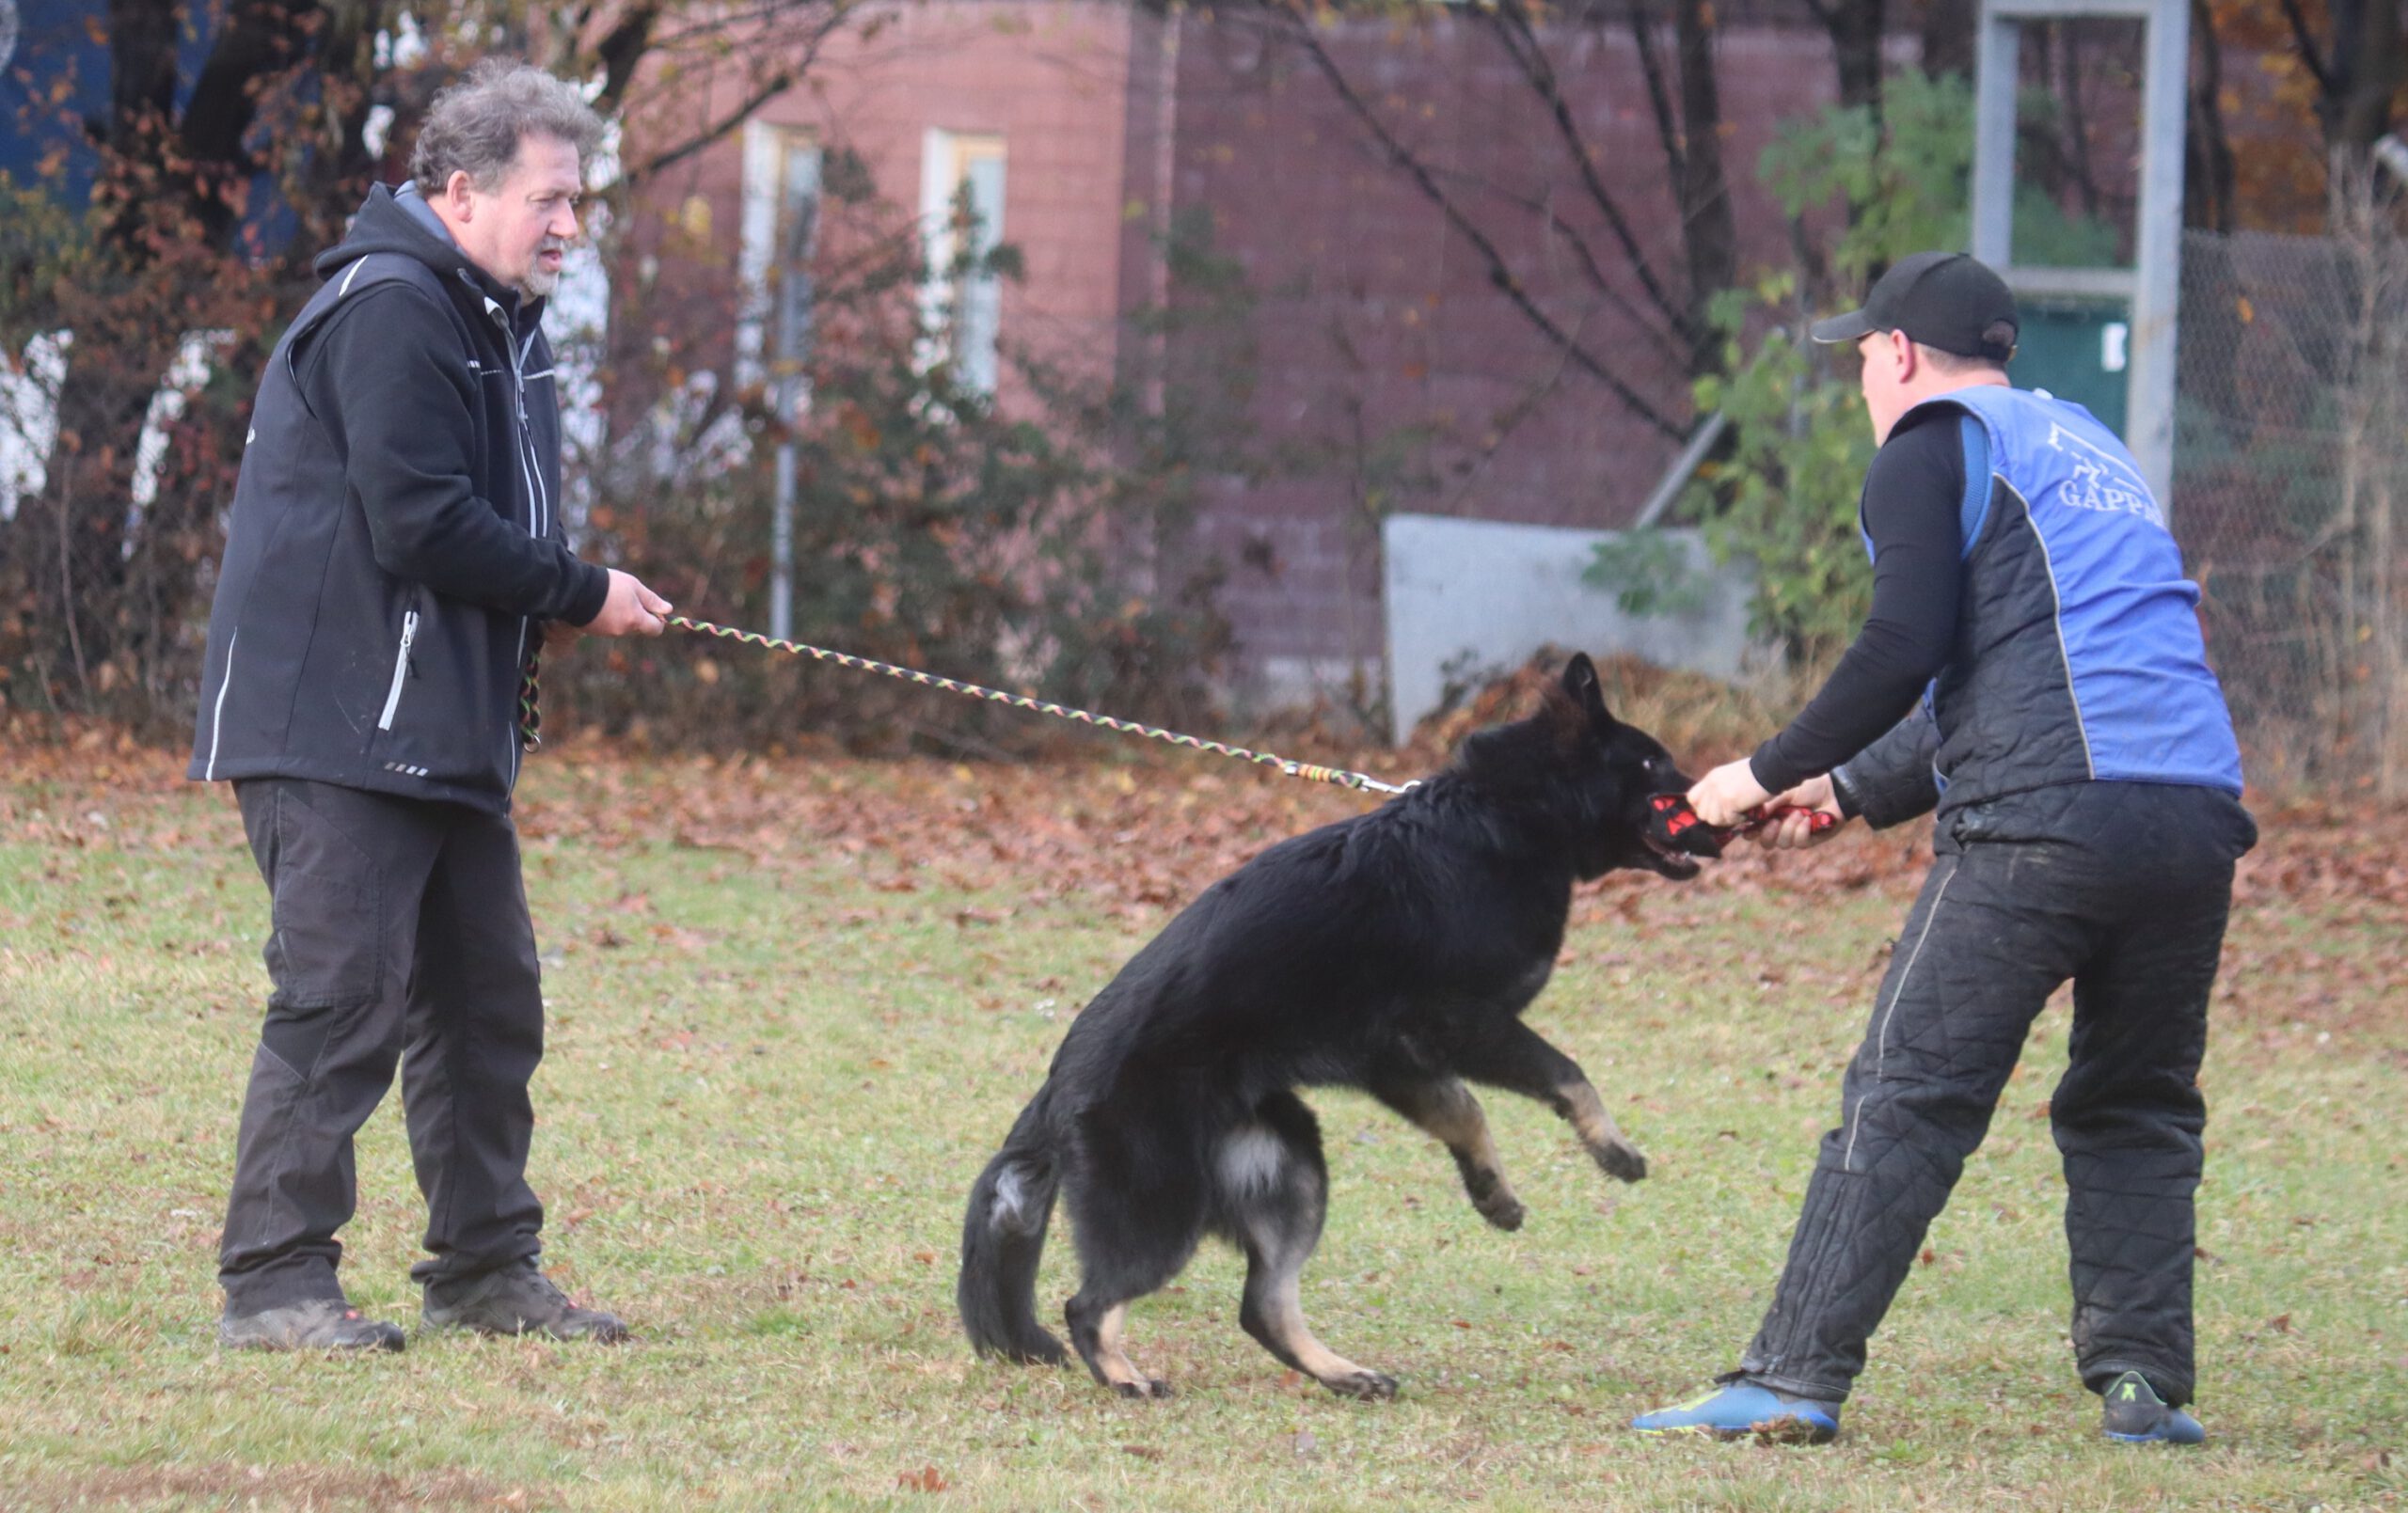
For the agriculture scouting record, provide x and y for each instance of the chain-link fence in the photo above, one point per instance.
(2290, 491)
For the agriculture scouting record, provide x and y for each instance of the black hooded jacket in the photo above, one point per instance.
(395, 536)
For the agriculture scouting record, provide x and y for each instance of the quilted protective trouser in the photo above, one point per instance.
(2122, 888)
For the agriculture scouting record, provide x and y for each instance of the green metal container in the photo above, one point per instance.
(2075, 351)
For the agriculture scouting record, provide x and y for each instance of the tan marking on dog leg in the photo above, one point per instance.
(1456, 1118)
(1108, 1354)
(1598, 1131)
(1282, 1316)
(1459, 1123)
(1113, 1362)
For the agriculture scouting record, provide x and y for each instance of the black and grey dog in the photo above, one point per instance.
(1392, 951)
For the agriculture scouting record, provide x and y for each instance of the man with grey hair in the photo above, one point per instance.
(394, 559)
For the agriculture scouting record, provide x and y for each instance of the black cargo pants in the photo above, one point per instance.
(2124, 889)
(399, 934)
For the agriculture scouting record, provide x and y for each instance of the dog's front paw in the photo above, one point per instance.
(1363, 1386)
(1503, 1210)
(1485, 1186)
(1621, 1161)
(1143, 1388)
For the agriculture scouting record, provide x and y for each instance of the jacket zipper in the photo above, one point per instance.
(516, 749)
(538, 524)
(527, 429)
(538, 515)
(401, 670)
(217, 711)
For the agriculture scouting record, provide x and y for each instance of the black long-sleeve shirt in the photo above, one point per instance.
(1914, 495)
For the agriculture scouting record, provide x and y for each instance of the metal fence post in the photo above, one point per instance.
(2152, 289)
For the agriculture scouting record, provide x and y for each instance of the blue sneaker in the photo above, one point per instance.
(2136, 1414)
(1743, 1408)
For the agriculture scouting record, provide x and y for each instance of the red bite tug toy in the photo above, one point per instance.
(1675, 827)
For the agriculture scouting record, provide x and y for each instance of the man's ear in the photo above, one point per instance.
(1580, 682)
(1902, 352)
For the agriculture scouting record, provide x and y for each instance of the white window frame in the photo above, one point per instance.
(783, 169)
(963, 315)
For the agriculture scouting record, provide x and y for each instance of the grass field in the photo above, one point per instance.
(792, 1009)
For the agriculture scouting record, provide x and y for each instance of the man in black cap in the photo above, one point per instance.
(2032, 670)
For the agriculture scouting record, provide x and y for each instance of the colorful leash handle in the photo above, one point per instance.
(530, 699)
(1338, 776)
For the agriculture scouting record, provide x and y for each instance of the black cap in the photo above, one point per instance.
(1944, 300)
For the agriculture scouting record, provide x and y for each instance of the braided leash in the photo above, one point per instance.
(531, 691)
(1338, 776)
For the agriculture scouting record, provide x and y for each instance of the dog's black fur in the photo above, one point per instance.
(1392, 951)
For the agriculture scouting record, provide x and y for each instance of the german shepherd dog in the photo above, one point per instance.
(1393, 952)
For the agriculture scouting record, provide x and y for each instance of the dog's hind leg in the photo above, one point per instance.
(1445, 1109)
(1137, 1209)
(1274, 1191)
(1095, 1333)
(1511, 1055)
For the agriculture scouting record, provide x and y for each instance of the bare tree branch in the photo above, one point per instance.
(2077, 144)
(1709, 231)
(2207, 199)
(768, 90)
(1506, 422)
(799, 53)
(2316, 68)
(2370, 34)
(1499, 274)
(1643, 319)
(1643, 34)
(749, 24)
(621, 49)
(1512, 23)
(1856, 28)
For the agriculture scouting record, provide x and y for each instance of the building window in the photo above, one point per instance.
(780, 231)
(961, 211)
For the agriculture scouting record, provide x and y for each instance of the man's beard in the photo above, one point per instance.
(540, 282)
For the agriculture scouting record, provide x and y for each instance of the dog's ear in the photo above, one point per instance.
(1580, 682)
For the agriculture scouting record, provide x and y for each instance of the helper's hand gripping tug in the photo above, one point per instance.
(1674, 825)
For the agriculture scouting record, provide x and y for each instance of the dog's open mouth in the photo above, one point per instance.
(1677, 865)
(1675, 838)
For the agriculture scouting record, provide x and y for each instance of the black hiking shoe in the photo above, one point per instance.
(516, 1299)
(319, 1324)
(2136, 1415)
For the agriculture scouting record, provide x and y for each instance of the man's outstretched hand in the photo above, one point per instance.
(1728, 797)
(1723, 797)
(631, 609)
(1793, 824)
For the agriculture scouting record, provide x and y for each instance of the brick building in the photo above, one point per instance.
(1388, 371)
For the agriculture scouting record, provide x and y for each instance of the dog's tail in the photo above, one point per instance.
(1002, 1237)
